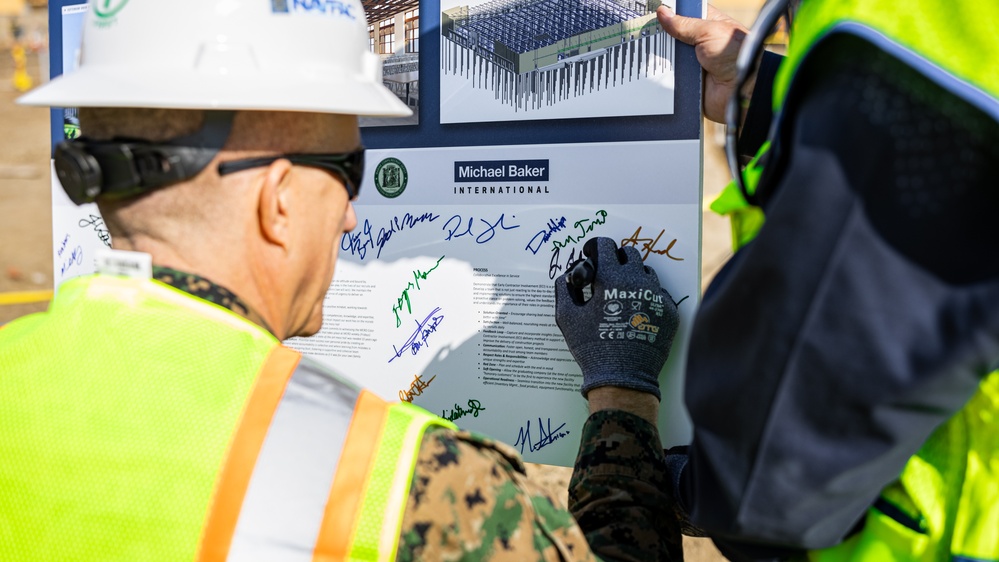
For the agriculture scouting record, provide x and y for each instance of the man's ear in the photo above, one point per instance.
(274, 204)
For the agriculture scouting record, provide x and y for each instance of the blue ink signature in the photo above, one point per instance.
(543, 236)
(418, 340)
(360, 241)
(456, 223)
(75, 258)
(62, 246)
(95, 221)
(545, 436)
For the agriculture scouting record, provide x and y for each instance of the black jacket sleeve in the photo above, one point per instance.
(862, 316)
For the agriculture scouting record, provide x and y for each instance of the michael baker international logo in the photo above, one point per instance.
(391, 177)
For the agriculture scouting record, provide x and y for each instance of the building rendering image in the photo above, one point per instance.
(394, 35)
(536, 54)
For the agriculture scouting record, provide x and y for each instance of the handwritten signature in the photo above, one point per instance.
(648, 245)
(543, 236)
(456, 227)
(62, 246)
(95, 221)
(546, 436)
(416, 388)
(474, 407)
(555, 265)
(584, 226)
(404, 298)
(418, 340)
(75, 258)
(360, 241)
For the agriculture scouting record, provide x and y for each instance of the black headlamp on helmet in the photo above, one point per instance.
(122, 168)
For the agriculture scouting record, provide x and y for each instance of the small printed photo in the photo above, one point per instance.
(514, 60)
(394, 35)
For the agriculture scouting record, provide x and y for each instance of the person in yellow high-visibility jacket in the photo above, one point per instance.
(152, 412)
(842, 374)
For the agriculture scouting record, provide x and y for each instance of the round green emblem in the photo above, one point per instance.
(108, 8)
(391, 177)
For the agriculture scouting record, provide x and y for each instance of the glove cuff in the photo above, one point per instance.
(611, 364)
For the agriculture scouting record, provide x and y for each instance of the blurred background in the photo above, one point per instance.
(25, 201)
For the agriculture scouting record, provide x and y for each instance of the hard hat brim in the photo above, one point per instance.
(105, 87)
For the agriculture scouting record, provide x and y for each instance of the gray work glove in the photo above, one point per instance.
(622, 335)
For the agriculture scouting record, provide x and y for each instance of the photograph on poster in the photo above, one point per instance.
(394, 35)
(72, 30)
(514, 60)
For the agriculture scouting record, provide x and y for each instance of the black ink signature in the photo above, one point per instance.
(555, 266)
(649, 244)
(97, 223)
(418, 340)
(404, 299)
(359, 242)
(416, 388)
(456, 223)
(544, 236)
(545, 436)
(474, 407)
(585, 226)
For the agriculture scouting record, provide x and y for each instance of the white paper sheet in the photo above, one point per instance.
(444, 294)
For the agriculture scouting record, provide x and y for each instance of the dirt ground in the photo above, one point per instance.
(25, 212)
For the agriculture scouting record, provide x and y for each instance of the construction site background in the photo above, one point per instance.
(25, 200)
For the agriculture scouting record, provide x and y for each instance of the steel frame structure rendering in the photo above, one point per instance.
(533, 53)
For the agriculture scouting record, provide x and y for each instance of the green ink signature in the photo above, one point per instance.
(474, 407)
(585, 226)
(403, 300)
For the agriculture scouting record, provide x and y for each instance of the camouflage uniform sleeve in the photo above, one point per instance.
(619, 491)
(471, 499)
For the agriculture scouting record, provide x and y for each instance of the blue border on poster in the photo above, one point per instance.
(55, 59)
(684, 123)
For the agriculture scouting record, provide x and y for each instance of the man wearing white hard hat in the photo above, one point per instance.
(155, 415)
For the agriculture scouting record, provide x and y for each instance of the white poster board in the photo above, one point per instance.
(443, 295)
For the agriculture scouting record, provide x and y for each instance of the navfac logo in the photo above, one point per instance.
(391, 177)
(332, 7)
(106, 10)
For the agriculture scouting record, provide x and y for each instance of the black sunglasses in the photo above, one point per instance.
(349, 166)
(745, 65)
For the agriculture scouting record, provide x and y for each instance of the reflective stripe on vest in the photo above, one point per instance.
(156, 422)
(920, 33)
(320, 471)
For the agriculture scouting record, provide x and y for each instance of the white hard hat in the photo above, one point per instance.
(286, 55)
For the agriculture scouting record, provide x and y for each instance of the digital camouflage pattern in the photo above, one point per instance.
(620, 493)
(204, 289)
(471, 499)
